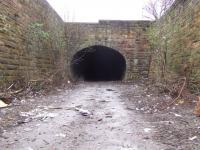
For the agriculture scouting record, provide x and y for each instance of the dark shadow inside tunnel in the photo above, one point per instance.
(98, 63)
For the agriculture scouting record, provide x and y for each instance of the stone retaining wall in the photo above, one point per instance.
(31, 39)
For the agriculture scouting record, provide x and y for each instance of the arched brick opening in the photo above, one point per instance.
(98, 63)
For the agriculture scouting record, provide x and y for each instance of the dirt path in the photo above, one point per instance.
(113, 120)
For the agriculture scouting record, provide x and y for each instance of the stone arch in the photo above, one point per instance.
(97, 43)
(98, 63)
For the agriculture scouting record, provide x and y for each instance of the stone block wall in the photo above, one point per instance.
(32, 40)
(127, 37)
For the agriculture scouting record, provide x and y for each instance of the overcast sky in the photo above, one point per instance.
(94, 10)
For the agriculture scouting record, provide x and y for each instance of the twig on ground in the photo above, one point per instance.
(179, 95)
(10, 86)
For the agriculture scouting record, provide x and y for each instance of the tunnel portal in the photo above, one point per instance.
(98, 63)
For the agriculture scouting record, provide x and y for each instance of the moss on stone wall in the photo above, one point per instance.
(31, 41)
(175, 42)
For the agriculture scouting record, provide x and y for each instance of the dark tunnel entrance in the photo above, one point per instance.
(98, 63)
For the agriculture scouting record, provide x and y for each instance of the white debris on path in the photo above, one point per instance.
(147, 130)
(83, 111)
(193, 138)
(2, 104)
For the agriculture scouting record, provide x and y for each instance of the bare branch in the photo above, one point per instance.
(156, 8)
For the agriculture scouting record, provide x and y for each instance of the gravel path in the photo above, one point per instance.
(98, 116)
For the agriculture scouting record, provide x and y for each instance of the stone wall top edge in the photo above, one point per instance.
(114, 22)
(46, 3)
(123, 21)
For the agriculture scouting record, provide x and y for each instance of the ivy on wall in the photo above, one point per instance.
(43, 42)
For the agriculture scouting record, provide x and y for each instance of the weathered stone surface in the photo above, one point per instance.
(28, 52)
(28, 55)
(127, 37)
